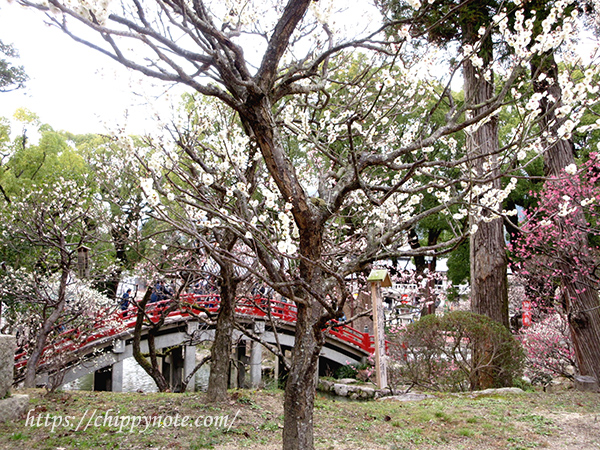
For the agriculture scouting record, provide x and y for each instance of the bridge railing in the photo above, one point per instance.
(261, 307)
(193, 304)
(108, 323)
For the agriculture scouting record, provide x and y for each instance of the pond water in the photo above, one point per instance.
(136, 379)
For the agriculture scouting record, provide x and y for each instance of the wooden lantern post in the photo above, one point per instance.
(379, 279)
(83, 261)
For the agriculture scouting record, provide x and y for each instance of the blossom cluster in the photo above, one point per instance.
(556, 239)
(29, 297)
(548, 349)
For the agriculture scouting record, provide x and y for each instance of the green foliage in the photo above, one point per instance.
(442, 21)
(346, 371)
(11, 77)
(34, 165)
(459, 264)
(456, 352)
(41, 158)
(356, 371)
(37, 168)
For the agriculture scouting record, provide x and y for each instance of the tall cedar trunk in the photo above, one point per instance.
(47, 326)
(583, 312)
(489, 289)
(581, 300)
(221, 348)
(489, 284)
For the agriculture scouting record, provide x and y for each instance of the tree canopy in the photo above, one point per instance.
(11, 77)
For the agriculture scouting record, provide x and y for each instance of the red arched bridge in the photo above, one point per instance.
(111, 340)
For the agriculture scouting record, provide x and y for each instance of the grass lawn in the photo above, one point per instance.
(98, 420)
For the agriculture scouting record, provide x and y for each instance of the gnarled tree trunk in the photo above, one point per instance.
(300, 386)
(221, 348)
(311, 319)
(49, 323)
(150, 367)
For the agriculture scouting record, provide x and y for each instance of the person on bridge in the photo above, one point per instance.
(159, 292)
(124, 304)
(154, 295)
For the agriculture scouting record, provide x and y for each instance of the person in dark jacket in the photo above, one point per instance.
(125, 300)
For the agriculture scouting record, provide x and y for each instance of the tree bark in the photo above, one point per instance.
(151, 367)
(40, 343)
(48, 325)
(221, 348)
(489, 288)
(488, 258)
(311, 317)
(583, 313)
(300, 386)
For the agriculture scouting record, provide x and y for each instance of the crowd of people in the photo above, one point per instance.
(160, 292)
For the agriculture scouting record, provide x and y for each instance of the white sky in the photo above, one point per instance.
(71, 87)
(77, 89)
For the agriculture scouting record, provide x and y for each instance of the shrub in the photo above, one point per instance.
(548, 349)
(361, 371)
(457, 352)
(346, 371)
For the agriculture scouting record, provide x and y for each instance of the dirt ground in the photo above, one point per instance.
(565, 420)
(575, 431)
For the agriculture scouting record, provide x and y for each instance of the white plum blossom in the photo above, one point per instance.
(476, 60)
(564, 209)
(571, 169)
(566, 129)
(151, 195)
(287, 247)
(534, 101)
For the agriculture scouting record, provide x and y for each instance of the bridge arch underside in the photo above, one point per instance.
(114, 350)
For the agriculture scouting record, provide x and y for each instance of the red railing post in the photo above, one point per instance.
(366, 342)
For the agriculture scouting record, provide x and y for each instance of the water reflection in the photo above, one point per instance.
(136, 379)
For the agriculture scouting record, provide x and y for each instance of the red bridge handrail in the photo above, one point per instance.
(193, 304)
